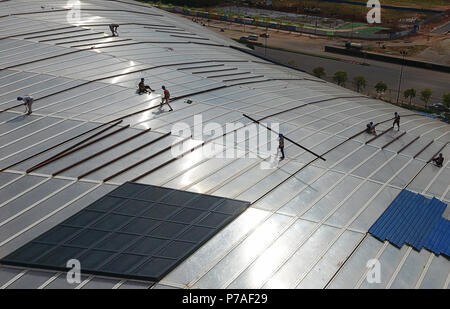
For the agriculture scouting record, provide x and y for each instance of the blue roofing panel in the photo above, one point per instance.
(427, 222)
(380, 228)
(438, 241)
(420, 207)
(407, 220)
(416, 220)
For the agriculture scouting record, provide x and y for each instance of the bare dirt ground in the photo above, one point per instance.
(307, 52)
(425, 46)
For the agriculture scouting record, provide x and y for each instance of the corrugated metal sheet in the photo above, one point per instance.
(416, 220)
(438, 241)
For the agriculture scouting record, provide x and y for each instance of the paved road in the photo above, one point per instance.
(415, 78)
(443, 29)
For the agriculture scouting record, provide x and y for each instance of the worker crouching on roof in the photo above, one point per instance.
(143, 88)
(371, 128)
(113, 28)
(28, 100)
(438, 161)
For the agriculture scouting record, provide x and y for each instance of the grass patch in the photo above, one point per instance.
(350, 26)
(371, 30)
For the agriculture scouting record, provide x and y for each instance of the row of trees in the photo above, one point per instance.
(360, 83)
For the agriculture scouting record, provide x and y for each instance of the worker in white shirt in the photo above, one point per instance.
(28, 100)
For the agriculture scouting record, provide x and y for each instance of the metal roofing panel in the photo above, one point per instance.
(427, 223)
(438, 240)
(279, 97)
(415, 220)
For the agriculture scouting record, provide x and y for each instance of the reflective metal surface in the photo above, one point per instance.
(306, 227)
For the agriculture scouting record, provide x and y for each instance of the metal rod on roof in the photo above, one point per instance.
(188, 37)
(72, 36)
(132, 72)
(101, 152)
(409, 115)
(132, 24)
(38, 12)
(242, 78)
(293, 142)
(98, 47)
(425, 163)
(356, 134)
(34, 32)
(46, 58)
(168, 162)
(171, 31)
(103, 36)
(89, 39)
(214, 71)
(231, 74)
(343, 263)
(201, 67)
(377, 136)
(315, 102)
(144, 160)
(306, 165)
(66, 151)
(437, 152)
(123, 156)
(53, 147)
(121, 10)
(407, 145)
(12, 107)
(393, 140)
(423, 149)
(251, 82)
(57, 33)
(196, 93)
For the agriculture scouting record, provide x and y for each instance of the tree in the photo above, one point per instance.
(359, 82)
(319, 72)
(425, 96)
(340, 78)
(446, 99)
(410, 93)
(381, 88)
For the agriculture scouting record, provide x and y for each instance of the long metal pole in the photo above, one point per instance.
(293, 142)
(400, 80)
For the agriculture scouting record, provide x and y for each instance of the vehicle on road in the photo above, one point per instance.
(354, 46)
(253, 37)
(439, 107)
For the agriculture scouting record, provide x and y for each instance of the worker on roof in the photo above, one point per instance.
(439, 160)
(371, 128)
(396, 120)
(165, 98)
(28, 100)
(113, 28)
(143, 88)
(281, 145)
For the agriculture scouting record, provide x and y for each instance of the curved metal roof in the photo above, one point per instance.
(308, 221)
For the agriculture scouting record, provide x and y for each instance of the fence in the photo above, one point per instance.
(385, 58)
(291, 28)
